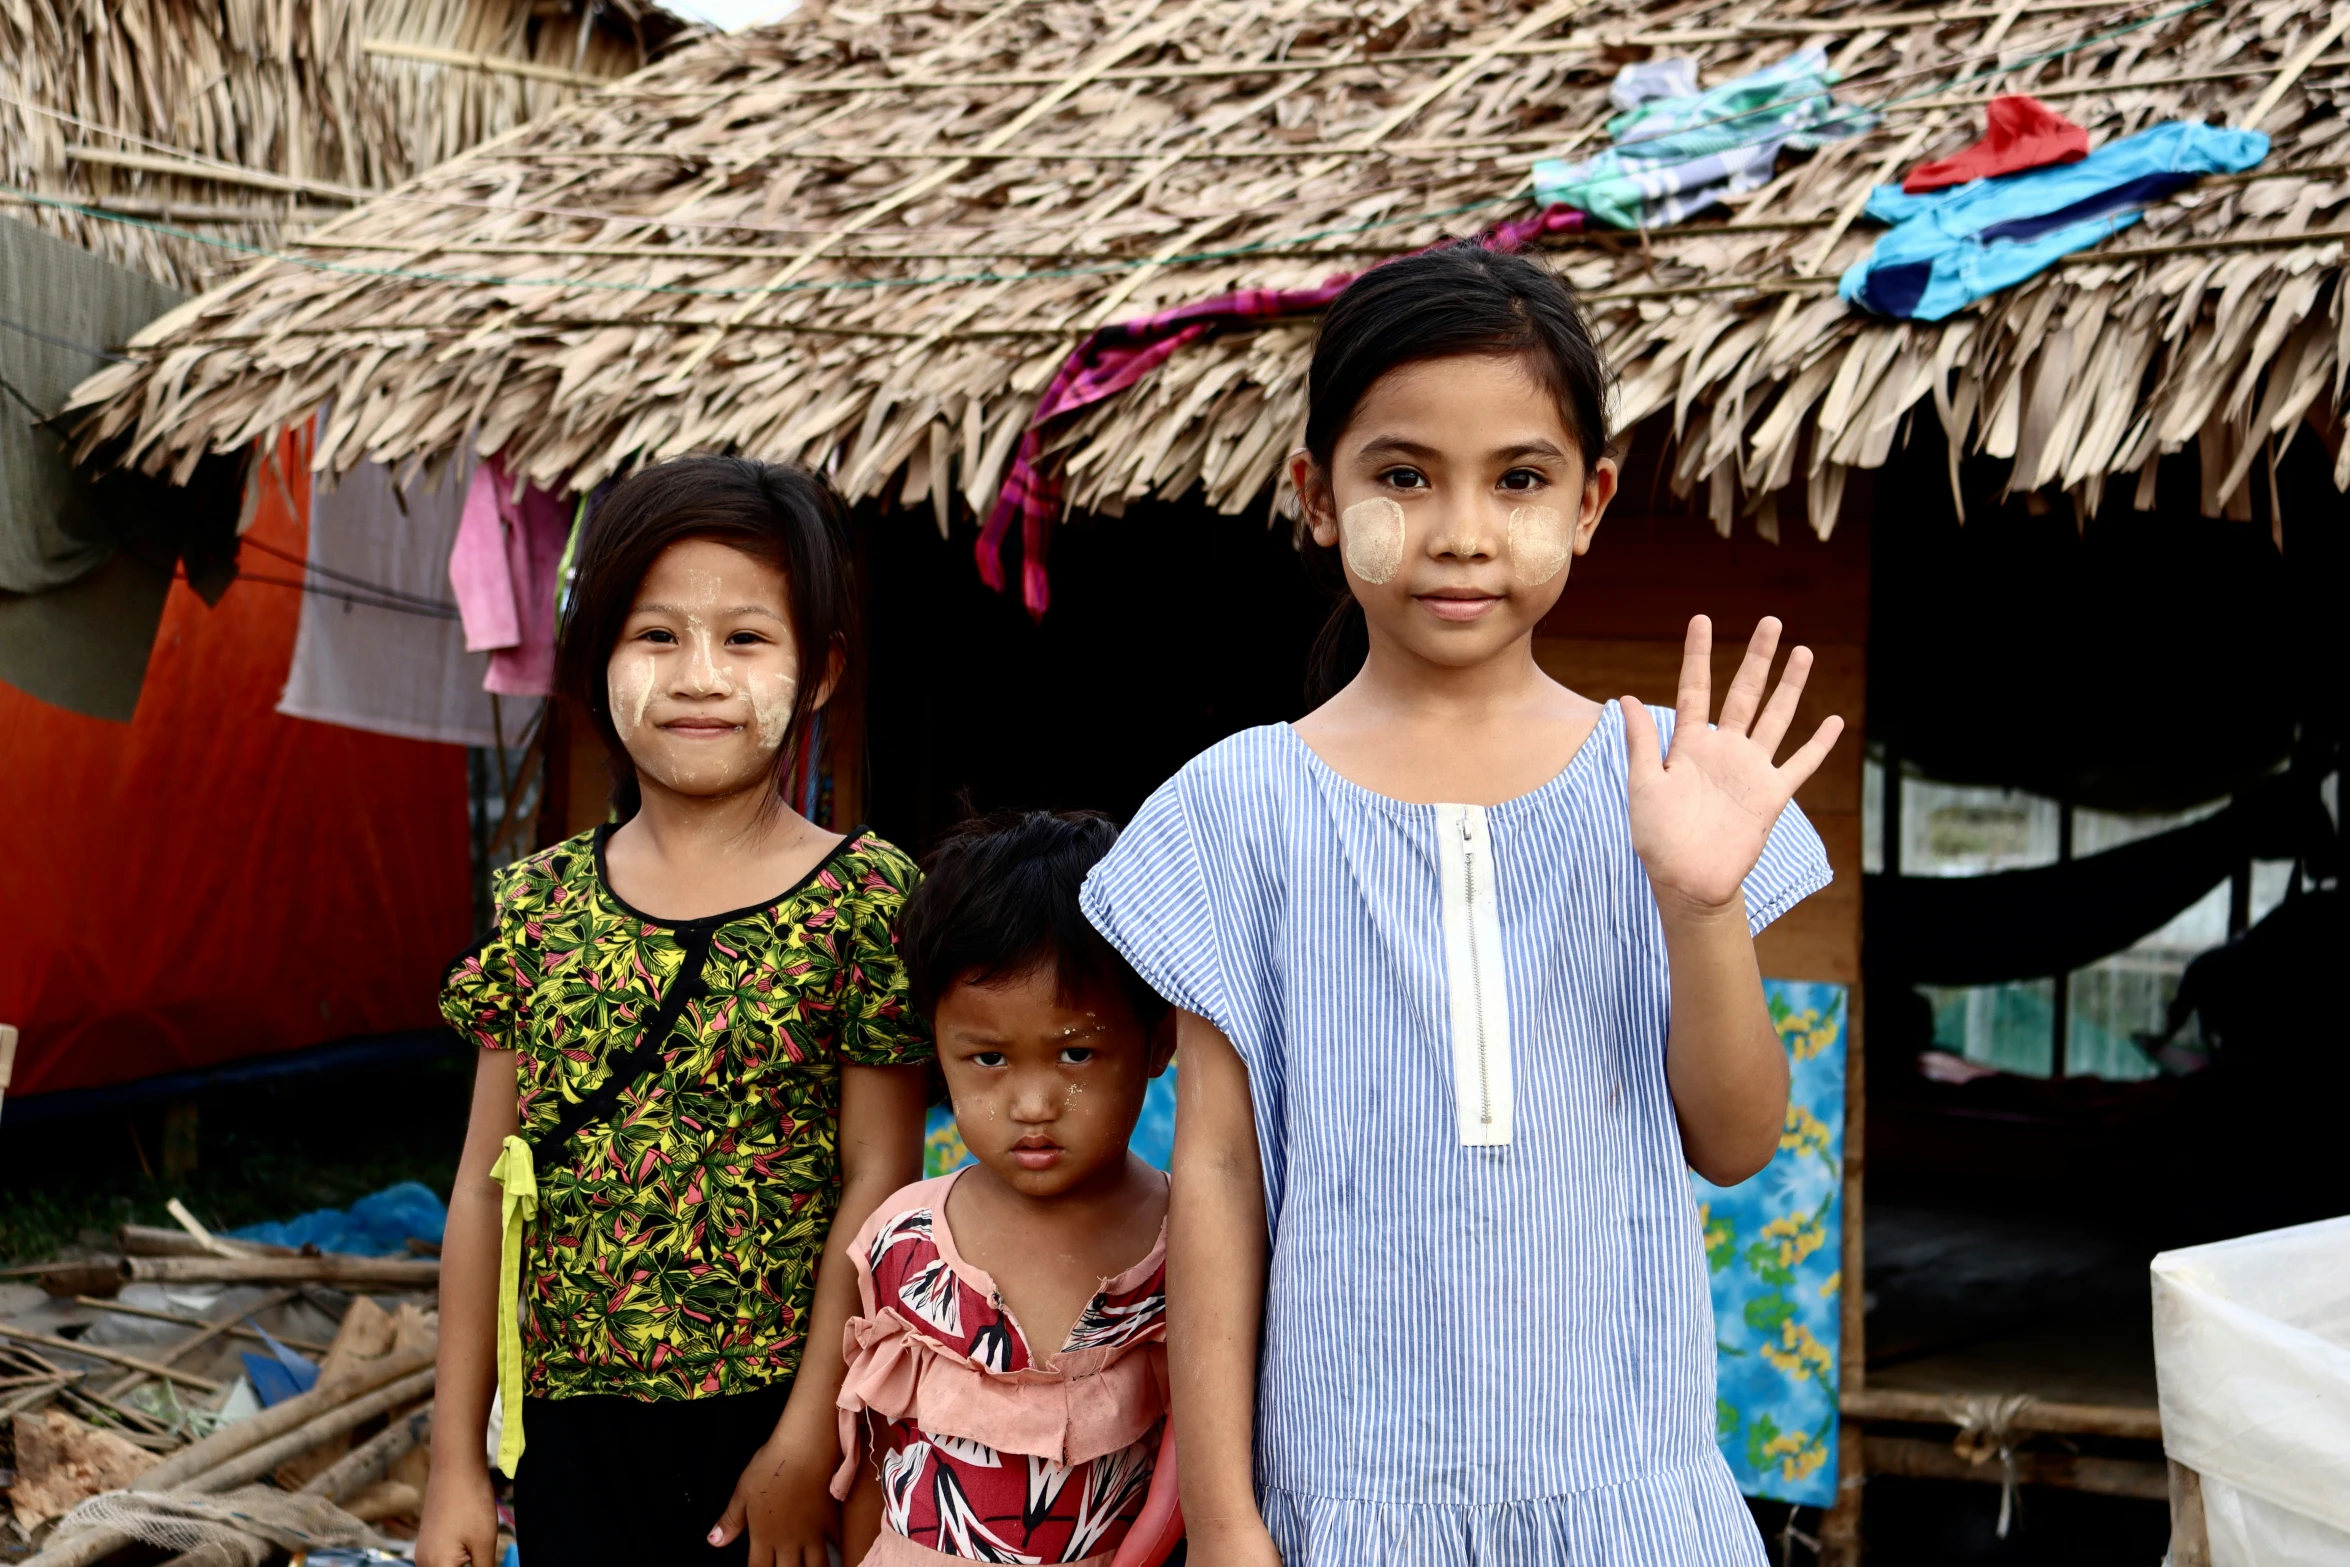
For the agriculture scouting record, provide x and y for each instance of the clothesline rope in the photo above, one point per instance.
(416, 602)
(321, 591)
(54, 341)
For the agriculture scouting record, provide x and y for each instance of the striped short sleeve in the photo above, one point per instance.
(1794, 865)
(1149, 898)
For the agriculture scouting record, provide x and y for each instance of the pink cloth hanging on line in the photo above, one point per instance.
(1119, 355)
(502, 569)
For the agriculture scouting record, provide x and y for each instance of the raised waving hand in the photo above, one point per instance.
(1700, 816)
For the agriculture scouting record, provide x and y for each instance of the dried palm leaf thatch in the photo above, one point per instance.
(246, 115)
(866, 239)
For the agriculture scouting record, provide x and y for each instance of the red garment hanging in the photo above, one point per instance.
(214, 880)
(2019, 133)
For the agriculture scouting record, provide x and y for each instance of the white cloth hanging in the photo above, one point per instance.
(380, 646)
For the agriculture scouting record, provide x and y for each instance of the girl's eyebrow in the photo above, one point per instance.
(739, 609)
(1395, 445)
(1398, 446)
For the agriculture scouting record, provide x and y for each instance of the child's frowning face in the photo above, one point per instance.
(1046, 1085)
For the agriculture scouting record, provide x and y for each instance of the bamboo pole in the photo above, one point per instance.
(275, 1421)
(2046, 1416)
(367, 1463)
(498, 64)
(223, 173)
(146, 1240)
(2141, 1479)
(255, 1462)
(112, 1357)
(233, 1326)
(383, 1272)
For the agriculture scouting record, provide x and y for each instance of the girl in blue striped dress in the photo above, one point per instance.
(1466, 971)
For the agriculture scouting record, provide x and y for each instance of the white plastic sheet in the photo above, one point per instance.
(2252, 1352)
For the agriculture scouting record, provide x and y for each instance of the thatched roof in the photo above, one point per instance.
(869, 237)
(247, 120)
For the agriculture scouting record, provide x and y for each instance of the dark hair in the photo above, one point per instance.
(999, 897)
(783, 515)
(1459, 298)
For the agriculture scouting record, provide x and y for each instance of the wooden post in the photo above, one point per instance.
(181, 1140)
(2190, 1540)
(1840, 1531)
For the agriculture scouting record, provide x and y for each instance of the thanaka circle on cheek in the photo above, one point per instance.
(1370, 533)
(1538, 543)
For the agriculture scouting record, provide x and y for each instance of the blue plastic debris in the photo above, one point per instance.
(379, 1225)
(280, 1374)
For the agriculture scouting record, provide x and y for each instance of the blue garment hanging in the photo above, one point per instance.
(1679, 151)
(1949, 248)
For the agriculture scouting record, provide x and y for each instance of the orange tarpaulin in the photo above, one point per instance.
(211, 880)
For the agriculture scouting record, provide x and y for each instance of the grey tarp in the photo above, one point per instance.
(62, 310)
(79, 636)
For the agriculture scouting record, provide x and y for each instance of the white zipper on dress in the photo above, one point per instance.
(1478, 997)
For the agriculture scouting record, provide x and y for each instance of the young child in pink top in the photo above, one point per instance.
(1007, 1383)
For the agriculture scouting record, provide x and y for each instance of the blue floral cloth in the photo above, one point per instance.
(1949, 248)
(1774, 1246)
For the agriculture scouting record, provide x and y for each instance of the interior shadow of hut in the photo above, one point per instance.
(2127, 662)
(1171, 627)
(2130, 662)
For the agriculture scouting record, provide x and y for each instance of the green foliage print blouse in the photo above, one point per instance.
(674, 1253)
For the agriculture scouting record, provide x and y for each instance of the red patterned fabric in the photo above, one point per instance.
(972, 1377)
(2018, 133)
(1116, 357)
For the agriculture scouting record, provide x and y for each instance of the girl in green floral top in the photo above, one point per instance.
(698, 1070)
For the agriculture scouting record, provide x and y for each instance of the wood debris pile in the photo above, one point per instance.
(866, 237)
(297, 108)
(92, 1469)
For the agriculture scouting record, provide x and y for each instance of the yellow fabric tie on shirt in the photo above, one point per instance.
(518, 1177)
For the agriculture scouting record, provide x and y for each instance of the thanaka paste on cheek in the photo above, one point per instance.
(628, 687)
(1370, 533)
(1538, 543)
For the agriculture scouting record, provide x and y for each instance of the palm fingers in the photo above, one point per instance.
(1693, 703)
(1797, 769)
(1771, 727)
(1745, 695)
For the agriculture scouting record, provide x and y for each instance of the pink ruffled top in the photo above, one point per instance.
(985, 1448)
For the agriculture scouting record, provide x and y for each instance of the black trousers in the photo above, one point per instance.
(619, 1482)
